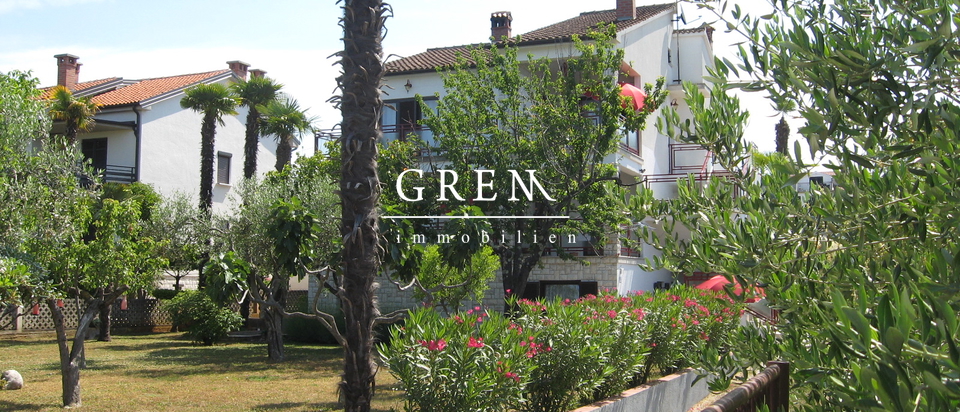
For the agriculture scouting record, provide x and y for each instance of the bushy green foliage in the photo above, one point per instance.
(164, 294)
(463, 363)
(204, 321)
(557, 354)
(451, 285)
(865, 272)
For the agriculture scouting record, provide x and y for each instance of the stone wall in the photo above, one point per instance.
(601, 269)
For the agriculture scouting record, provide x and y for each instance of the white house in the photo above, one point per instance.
(143, 135)
(653, 47)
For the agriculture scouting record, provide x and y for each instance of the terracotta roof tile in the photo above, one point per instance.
(583, 23)
(148, 88)
(47, 92)
(555, 33)
(701, 29)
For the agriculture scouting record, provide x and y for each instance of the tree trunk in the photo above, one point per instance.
(284, 152)
(106, 309)
(360, 107)
(70, 359)
(783, 135)
(208, 133)
(251, 143)
(273, 321)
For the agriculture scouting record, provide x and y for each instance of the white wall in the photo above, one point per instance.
(170, 151)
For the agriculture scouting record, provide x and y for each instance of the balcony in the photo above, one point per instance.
(119, 174)
(630, 142)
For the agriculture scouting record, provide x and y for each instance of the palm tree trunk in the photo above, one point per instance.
(208, 131)
(359, 193)
(284, 152)
(783, 135)
(251, 143)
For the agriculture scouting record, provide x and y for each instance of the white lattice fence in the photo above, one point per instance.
(139, 313)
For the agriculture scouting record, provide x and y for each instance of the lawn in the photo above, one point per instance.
(165, 372)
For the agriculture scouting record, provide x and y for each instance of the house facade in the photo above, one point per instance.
(141, 133)
(653, 47)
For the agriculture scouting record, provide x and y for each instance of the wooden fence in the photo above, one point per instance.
(771, 387)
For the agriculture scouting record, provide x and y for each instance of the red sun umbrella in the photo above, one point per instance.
(718, 282)
(639, 98)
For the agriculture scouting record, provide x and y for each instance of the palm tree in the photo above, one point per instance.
(214, 101)
(76, 112)
(360, 106)
(253, 93)
(284, 119)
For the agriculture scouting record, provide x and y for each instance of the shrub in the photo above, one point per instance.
(555, 354)
(204, 321)
(163, 294)
(460, 363)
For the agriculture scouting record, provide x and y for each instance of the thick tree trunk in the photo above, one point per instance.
(273, 321)
(783, 135)
(359, 192)
(284, 152)
(208, 133)
(105, 310)
(71, 359)
(251, 143)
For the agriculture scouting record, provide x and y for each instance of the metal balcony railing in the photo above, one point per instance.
(119, 174)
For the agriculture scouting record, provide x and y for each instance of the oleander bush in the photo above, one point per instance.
(553, 355)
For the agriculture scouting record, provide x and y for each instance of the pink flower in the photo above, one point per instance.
(612, 314)
(434, 345)
(508, 291)
(514, 376)
(475, 343)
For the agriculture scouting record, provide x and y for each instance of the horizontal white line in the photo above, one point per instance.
(475, 217)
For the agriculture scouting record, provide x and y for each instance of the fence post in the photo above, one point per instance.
(778, 394)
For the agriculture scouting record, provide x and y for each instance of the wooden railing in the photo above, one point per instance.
(771, 387)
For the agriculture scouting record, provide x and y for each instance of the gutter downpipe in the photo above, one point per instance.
(137, 133)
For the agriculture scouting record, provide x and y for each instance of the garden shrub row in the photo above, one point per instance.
(553, 355)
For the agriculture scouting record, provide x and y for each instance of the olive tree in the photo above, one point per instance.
(864, 272)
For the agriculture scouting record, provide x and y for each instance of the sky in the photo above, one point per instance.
(290, 39)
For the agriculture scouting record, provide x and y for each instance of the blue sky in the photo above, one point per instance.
(290, 39)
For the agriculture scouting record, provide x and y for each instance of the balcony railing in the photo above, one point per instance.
(401, 131)
(119, 174)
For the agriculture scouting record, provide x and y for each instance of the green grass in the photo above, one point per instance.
(165, 372)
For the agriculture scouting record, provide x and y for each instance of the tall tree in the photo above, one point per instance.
(214, 101)
(559, 122)
(44, 215)
(254, 93)
(866, 273)
(77, 112)
(360, 106)
(284, 119)
(287, 223)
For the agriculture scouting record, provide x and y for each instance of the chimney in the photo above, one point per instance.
(68, 70)
(239, 68)
(500, 25)
(257, 73)
(626, 10)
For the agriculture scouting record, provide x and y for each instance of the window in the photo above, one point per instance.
(95, 150)
(223, 168)
(551, 289)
